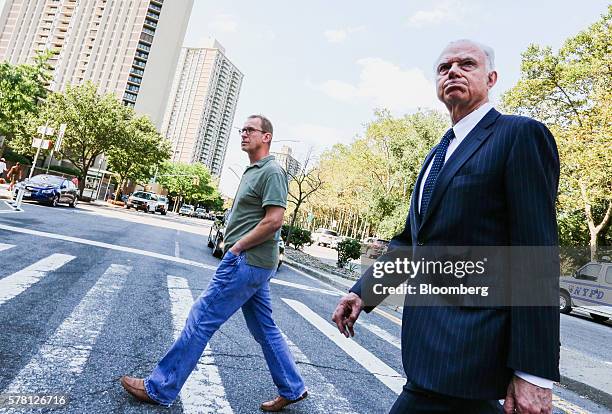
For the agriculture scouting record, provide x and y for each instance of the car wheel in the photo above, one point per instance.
(163, 213)
(55, 201)
(565, 303)
(74, 203)
(127, 206)
(598, 318)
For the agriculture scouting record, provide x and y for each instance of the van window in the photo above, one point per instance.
(589, 272)
(609, 275)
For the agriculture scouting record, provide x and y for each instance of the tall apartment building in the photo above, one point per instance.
(126, 47)
(286, 160)
(202, 105)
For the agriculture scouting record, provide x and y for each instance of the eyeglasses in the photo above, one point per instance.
(249, 130)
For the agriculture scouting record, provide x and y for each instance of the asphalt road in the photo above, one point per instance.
(90, 294)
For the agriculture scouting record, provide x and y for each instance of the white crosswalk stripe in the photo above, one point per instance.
(381, 333)
(365, 358)
(4, 246)
(62, 358)
(18, 282)
(203, 391)
(324, 397)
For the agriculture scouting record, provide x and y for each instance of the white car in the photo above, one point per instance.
(142, 200)
(187, 210)
(324, 237)
(162, 204)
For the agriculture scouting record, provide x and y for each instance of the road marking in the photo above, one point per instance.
(324, 394)
(383, 372)
(18, 282)
(304, 287)
(61, 359)
(567, 407)
(392, 318)
(381, 333)
(177, 249)
(106, 246)
(4, 246)
(203, 391)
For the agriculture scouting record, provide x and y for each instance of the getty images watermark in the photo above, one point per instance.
(411, 269)
(491, 276)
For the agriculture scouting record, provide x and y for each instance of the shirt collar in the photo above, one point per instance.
(261, 162)
(467, 123)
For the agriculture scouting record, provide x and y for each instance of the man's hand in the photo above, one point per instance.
(525, 398)
(346, 313)
(235, 250)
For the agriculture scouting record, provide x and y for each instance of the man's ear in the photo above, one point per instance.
(492, 79)
(267, 138)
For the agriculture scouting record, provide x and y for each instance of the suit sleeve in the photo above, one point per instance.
(399, 246)
(531, 183)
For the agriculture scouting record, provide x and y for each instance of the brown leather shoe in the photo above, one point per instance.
(279, 403)
(135, 386)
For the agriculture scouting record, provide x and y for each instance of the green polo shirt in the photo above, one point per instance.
(264, 183)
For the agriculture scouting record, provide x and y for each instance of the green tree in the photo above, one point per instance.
(372, 178)
(140, 149)
(22, 88)
(94, 125)
(187, 182)
(571, 91)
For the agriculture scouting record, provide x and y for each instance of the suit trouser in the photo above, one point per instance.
(415, 400)
(235, 285)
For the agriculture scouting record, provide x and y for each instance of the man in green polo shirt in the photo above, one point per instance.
(241, 281)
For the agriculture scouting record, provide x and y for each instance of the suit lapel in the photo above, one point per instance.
(463, 152)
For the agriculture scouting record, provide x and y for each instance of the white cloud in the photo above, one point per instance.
(224, 23)
(340, 35)
(444, 12)
(385, 85)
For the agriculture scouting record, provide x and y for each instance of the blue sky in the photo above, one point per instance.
(318, 69)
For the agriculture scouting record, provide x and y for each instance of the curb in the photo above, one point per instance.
(594, 394)
(325, 277)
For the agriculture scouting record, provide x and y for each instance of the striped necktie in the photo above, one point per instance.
(436, 166)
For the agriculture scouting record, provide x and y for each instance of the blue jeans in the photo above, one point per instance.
(235, 284)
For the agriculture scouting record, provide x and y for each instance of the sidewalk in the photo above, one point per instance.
(579, 372)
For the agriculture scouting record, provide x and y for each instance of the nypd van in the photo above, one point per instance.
(589, 289)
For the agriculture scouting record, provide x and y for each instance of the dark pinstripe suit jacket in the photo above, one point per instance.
(497, 189)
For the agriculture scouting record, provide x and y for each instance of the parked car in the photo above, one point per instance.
(216, 234)
(49, 189)
(201, 213)
(187, 210)
(162, 205)
(323, 237)
(142, 200)
(589, 289)
(374, 247)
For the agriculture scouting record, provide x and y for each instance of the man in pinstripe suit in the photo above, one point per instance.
(492, 181)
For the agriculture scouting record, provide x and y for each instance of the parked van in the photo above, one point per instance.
(589, 289)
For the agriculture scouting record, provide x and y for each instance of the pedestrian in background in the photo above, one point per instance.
(242, 280)
(14, 175)
(2, 168)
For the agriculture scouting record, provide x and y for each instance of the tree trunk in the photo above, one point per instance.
(297, 207)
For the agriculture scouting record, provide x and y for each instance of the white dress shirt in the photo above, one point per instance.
(461, 130)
